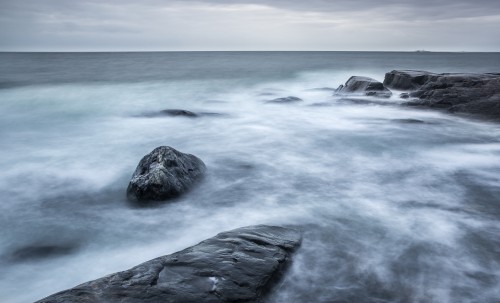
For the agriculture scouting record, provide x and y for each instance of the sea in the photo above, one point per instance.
(396, 203)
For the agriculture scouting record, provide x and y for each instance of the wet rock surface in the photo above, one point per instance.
(476, 94)
(163, 174)
(408, 80)
(235, 266)
(364, 86)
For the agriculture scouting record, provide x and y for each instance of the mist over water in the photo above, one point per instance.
(391, 211)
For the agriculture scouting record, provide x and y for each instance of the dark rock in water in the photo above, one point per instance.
(489, 108)
(164, 173)
(171, 113)
(407, 79)
(321, 104)
(409, 121)
(477, 94)
(236, 266)
(364, 86)
(179, 113)
(289, 99)
(404, 96)
(266, 94)
(36, 252)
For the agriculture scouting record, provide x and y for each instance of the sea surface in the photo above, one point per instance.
(391, 211)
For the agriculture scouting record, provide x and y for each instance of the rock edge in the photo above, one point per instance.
(235, 266)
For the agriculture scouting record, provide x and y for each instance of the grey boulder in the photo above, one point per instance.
(163, 174)
(236, 266)
(363, 86)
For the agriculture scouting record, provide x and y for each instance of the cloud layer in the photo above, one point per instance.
(92, 25)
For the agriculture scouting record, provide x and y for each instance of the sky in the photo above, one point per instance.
(249, 25)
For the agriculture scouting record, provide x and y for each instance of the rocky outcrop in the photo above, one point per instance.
(236, 266)
(164, 173)
(408, 80)
(477, 94)
(289, 99)
(363, 86)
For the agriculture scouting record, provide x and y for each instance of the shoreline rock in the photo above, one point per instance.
(241, 265)
(164, 173)
(365, 86)
(408, 80)
(463, 93)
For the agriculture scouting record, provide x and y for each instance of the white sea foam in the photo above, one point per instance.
(390, 211)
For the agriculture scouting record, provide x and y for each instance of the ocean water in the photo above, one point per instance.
(390, 211)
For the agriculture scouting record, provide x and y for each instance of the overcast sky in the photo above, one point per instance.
(126, 25)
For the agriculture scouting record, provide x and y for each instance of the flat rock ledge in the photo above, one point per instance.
(164, 173)
(466, 93)
(240, 265)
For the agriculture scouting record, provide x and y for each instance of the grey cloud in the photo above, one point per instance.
(290, 24)
(406, 8)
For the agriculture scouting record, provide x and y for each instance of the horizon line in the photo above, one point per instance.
(242, 51)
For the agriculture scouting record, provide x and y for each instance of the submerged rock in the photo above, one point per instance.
(289, 99)
(42, 251)
(170, 113)
(178, 113)
(236, 266)
(404, 95)
(477, 94)
(364, 86)
(408, 121)
(164, 173)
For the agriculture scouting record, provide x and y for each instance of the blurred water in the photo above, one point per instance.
(391, 211)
